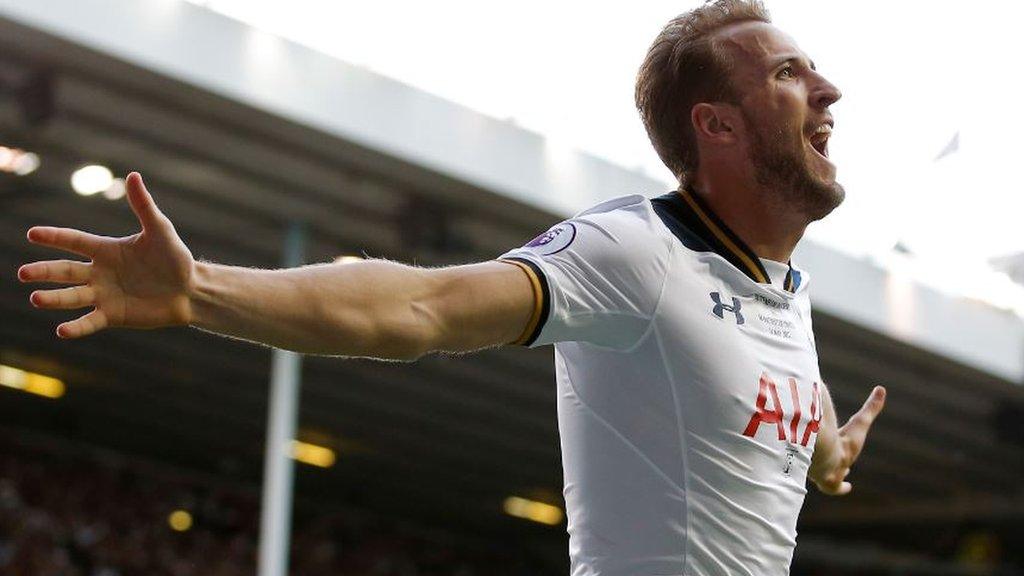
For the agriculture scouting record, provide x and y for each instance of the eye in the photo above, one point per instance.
(786, 72)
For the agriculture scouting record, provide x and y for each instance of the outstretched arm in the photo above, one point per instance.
(374, 308)
(837, 448)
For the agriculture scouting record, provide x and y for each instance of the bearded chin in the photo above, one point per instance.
(783, 172)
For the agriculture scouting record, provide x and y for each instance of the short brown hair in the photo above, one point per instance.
(684, 68)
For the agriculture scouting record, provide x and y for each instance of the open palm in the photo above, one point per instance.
(138, 281)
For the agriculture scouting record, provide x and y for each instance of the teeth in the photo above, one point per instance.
(823, 129)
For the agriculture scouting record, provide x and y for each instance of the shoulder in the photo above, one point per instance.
(629, 220)
(616, 227)
(607, 262)
(628, 203)
(634, 209)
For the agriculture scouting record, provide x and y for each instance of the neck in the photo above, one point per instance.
(766, 226)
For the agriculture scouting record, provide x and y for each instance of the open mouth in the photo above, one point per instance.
(819, 138)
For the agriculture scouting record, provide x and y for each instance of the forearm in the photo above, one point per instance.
(362, 309)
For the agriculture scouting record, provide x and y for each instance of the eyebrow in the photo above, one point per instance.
(794, 59)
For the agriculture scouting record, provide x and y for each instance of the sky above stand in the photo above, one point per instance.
(918, 78)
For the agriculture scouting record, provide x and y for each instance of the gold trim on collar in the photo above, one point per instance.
(724, 238)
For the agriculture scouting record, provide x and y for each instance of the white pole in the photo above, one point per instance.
(278, 467)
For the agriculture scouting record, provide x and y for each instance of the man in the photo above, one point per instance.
(691, 409)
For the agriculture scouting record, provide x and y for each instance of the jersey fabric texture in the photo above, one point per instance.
(687, 389)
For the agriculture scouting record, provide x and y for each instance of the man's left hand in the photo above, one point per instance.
(837, 451)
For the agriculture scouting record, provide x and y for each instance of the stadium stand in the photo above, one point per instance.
(75, 512)
(152, 422)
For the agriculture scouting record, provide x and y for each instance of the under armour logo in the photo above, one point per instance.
(720, 309)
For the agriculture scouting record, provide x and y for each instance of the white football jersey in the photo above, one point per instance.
(688, 389)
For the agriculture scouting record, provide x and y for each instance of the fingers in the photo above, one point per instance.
(62, 271)
(852, 437)
(142, 202)
(64, 298)
(871, 409)
(67, 239)
(89, 324)
(836, 484)
(70, 298)
(854, 433)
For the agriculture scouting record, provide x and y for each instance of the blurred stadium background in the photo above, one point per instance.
(144, 452)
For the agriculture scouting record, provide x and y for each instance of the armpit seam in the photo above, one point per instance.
(683, 447)
(657, 303)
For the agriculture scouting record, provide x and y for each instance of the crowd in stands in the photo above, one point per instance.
(62, 516)
(67, 514)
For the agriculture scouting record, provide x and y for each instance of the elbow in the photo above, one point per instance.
(409, 341)
(398, 347)
(409, 354)
(393, 328)
(386, 338)
(410, 335)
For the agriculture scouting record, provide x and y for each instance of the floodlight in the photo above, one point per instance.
(91, 179)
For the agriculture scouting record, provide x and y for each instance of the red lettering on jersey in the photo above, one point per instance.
(816, 411)
(763, 415)
(796, 410)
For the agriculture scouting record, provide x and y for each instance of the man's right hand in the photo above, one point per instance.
(138, 281)
(374, 308)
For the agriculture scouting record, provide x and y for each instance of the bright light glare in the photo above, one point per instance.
(312, 454)
(92, 179)
(26, 164)
(179, 520)
(30, 382)
(16, 161)
(533, 510)
(116, 190)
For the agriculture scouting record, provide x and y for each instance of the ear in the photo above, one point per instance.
(714, 123)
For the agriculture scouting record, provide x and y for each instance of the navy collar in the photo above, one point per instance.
(688, 217)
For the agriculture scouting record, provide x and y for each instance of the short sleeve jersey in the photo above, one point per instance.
(687, 389)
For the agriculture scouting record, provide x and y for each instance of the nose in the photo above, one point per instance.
(824, 93)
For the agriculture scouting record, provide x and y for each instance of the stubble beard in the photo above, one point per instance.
(781, 169)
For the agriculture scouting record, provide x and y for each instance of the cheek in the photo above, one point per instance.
(789, 129)
(796, 115)
(788, 110)
(781, 132)
(776, 119)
